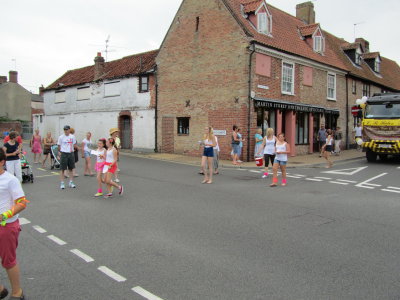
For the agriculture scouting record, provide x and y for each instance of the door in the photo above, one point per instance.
(126, 132)
(315, 132)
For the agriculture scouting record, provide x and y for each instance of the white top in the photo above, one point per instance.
(358, 131)
(329, 141)
(66, 143)
(10, 190)
(281, 148)
(100, 154)
(87, 143)
(269, 146)
(217, 146)
(110, 155)
(208, 143)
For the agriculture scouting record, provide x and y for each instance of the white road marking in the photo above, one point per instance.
(23, 221)
(349, 181)
(41, 176)
(314, 179)
(392, 191)
(146, 294)
(41, 169)
(365, 187)
(337, 182)
(324, 178)
(110, 273)
(367, 184)
(82, 255)
(350, 171)
(39, 229)
(292, 176)
(56, 240)
(299, 175)
(254, 171)
(393, 188)
(55, 173)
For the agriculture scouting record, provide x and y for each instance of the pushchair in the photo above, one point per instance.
(55, 164)
(27, 173)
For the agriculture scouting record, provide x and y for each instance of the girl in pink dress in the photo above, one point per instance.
(36, 145)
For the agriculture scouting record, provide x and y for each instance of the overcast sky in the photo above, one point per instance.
(45, 38)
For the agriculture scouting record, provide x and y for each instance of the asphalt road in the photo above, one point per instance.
(323, 236)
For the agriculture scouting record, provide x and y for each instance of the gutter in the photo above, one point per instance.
(253, 49)
(156, 110)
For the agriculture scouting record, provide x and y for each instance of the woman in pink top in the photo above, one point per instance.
(36, 145)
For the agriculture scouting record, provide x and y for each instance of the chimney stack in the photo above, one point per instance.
(364, 44)
(99, 65)
(13, 76)
(305, 12)
(41, 90)
(3, 79)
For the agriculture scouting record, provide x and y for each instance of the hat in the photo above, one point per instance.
(113, 130)
(66, 127)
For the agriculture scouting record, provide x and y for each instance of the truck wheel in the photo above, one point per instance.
(371, 156)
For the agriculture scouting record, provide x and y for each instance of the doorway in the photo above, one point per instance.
(126, 129)
(316, 127)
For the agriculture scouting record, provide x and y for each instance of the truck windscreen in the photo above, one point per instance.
(382, 111)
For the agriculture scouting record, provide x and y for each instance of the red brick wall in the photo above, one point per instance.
(209, 68)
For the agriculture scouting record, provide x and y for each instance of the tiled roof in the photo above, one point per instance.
(126, 66)
(285, 37)
(251, 6)
(389, 75)
(371, 55)
(350, 46)
(308, 30)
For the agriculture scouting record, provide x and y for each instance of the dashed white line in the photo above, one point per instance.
(23, 221)
(82, 255)
(292, 176)
(254, 171)
(337, 182)
(146, 294)
(56, 240)
(344, 180)
(39, 229)
(324, 178)
(392, 191)
(110, 273)
(393, 188)
(299, 175)
(314, 179)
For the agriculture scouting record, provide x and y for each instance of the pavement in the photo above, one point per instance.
(297, 161)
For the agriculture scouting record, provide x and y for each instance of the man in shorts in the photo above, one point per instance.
(12, 202)
(66, 144)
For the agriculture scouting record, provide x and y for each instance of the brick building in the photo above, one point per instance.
(226, 62)
(119, 93)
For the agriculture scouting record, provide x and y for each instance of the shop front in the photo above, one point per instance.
(300, 122)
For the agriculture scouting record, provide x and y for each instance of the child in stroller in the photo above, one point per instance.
(27, 173)
(55, 162)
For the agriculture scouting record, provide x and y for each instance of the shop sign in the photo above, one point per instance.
(219, 132)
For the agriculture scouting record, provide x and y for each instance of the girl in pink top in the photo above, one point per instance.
(36, 145)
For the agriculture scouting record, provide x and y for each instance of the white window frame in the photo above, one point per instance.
(357, 58)
(319, 44)
(331, 75)
(377, 65)
(291, 92)
(57, 99)
(260, 17)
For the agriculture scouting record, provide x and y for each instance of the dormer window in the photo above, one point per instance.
(377, 66)
(358, 56)
(262, 22)
(318, 44)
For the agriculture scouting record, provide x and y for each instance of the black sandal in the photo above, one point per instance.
(3, 293)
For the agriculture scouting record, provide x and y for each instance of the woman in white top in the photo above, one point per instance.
(86, 145)
(327, 149)
(282, 149)
(100, 162)
(110, 166)
(209, 143)
(268, 147)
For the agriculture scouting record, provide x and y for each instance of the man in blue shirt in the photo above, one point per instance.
(321, 138)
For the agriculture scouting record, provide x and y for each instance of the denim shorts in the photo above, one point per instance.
(208, 151)
(236, 148)
(280, 162)
(86, 154)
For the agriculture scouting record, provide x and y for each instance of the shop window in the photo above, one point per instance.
(183, 126)
(266, 119)
(301, 137)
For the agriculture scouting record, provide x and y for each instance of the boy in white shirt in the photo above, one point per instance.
(12, 202)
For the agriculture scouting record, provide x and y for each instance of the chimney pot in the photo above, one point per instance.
(305, 12)
(13, 76)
